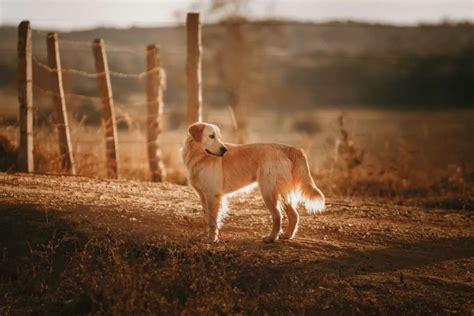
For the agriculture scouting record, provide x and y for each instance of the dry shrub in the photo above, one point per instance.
(348, 173)
(347, 158)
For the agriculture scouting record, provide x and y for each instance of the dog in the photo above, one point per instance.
(217, 169)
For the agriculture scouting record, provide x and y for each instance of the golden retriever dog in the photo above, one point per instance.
(217, 169)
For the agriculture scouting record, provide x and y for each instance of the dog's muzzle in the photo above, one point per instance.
(221, 153)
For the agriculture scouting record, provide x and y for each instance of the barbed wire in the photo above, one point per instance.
(67, 70)
(138, 76)
(122, 75)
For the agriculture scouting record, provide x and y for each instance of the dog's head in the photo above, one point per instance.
(207, 136)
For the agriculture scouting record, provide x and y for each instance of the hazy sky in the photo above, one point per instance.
(80, 14)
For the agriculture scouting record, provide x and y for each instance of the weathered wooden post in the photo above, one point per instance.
(60, 115)
(155, 88)
(108, 109)
(193, 68)
(25, 98)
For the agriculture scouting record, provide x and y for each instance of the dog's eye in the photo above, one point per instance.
(212, 136)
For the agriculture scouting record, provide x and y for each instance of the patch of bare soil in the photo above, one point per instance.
(79, 245)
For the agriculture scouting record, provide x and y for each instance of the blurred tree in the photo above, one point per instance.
(238, 58)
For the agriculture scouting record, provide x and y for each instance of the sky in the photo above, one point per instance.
(84, 14)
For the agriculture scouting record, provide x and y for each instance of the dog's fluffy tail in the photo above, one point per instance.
(307, 191)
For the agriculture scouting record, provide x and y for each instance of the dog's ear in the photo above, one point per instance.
(195, 130)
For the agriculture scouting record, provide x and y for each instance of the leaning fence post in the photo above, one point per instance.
(108, 109)
(61, 119)
(155, 87)
(193, 68)
(25, 98)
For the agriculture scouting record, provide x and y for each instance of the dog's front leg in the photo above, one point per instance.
(213, 208)
(203, 201)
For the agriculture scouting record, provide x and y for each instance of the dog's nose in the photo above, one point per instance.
(223, 150)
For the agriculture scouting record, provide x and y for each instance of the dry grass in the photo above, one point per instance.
(72, 275)
(49, 265)
(405, 157)
(69, 273)
(89, 246)
(117, 277)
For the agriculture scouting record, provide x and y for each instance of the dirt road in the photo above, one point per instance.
(359, 256)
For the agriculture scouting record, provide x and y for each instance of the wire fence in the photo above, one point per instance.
(95, 75)
(121, 107)
(86, 74)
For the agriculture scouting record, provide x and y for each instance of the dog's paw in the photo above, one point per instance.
(269, 239)
(286, 236)
(212, 239)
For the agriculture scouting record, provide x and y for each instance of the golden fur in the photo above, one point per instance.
(281, 172)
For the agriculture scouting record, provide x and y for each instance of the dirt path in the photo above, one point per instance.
(360, 255)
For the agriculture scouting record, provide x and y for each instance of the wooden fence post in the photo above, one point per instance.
(108, 109)
(61, 119)
(25, 98)
(155, 87)
(193, 68)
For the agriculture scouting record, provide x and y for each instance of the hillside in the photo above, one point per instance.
(305, 65)
(298, 38)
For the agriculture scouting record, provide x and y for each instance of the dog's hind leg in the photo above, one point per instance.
(293, 221)
(271, 203)
(274, 183)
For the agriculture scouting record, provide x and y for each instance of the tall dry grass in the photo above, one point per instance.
(405, 157)
(89, 151)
